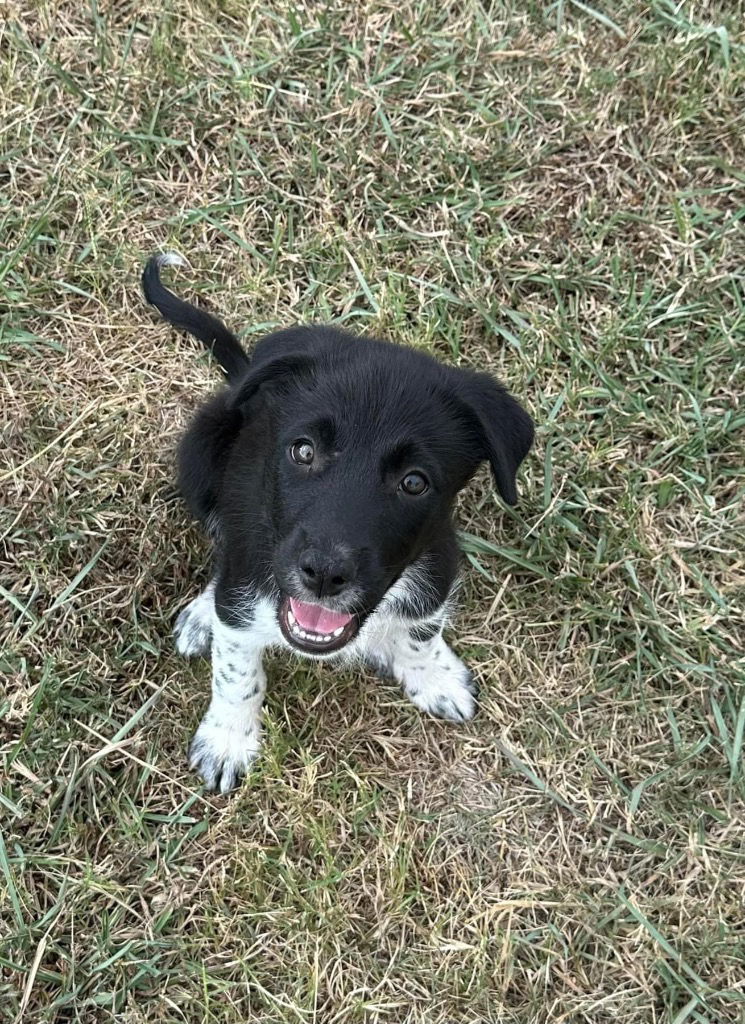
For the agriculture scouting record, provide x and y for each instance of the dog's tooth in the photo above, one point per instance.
(339, 631)
(290, 617)
(326, 639)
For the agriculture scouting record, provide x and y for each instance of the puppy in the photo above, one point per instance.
(325, 474)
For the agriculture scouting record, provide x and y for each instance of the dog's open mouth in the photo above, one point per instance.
(314, 629)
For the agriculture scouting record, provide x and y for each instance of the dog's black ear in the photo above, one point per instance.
(503, 429)
(276, 372)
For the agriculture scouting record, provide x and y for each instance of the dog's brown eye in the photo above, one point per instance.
(414, 483)
(302, 452)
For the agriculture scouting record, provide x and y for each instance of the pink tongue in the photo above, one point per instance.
(316, 618)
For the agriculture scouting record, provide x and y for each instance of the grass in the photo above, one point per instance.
(553, 192)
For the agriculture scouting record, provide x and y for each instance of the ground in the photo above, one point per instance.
(552, 192)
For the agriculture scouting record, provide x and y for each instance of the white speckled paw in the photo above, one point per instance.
(193, 629)
(222, 754)
(444, 687)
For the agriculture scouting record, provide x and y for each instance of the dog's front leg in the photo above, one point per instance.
(432, 676)
(229, 736)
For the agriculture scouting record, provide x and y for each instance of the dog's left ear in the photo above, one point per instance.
(276, 372)
(503, 429)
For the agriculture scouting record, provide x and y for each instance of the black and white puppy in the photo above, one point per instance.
(325, 474)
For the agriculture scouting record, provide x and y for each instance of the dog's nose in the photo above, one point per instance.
(324, 574)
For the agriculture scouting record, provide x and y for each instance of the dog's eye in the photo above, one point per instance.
(414, 483)
(302, 452)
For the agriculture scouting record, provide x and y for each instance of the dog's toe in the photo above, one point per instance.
(452, 709)
(453, 701)
(471, 685)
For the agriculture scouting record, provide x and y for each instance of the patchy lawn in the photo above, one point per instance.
(553, 192)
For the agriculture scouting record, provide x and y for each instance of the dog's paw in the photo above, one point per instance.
(222, 753)
(444, 688)
(193, 629)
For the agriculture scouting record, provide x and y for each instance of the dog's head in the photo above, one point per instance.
(371, 444)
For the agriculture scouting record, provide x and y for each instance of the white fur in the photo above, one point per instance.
(415, 587)
(432, 676)
(228, 738)
(171, 259)
(193, 629)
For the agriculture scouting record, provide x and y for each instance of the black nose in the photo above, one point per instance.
(324, 574)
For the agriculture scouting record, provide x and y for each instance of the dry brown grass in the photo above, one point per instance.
(522, 188)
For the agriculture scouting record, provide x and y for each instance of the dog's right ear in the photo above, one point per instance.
(275, 373)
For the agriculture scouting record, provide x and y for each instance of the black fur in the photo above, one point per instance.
(374, 413)
(421, 634)
(208, 329)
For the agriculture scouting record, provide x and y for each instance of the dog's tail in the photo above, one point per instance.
(221, 342)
